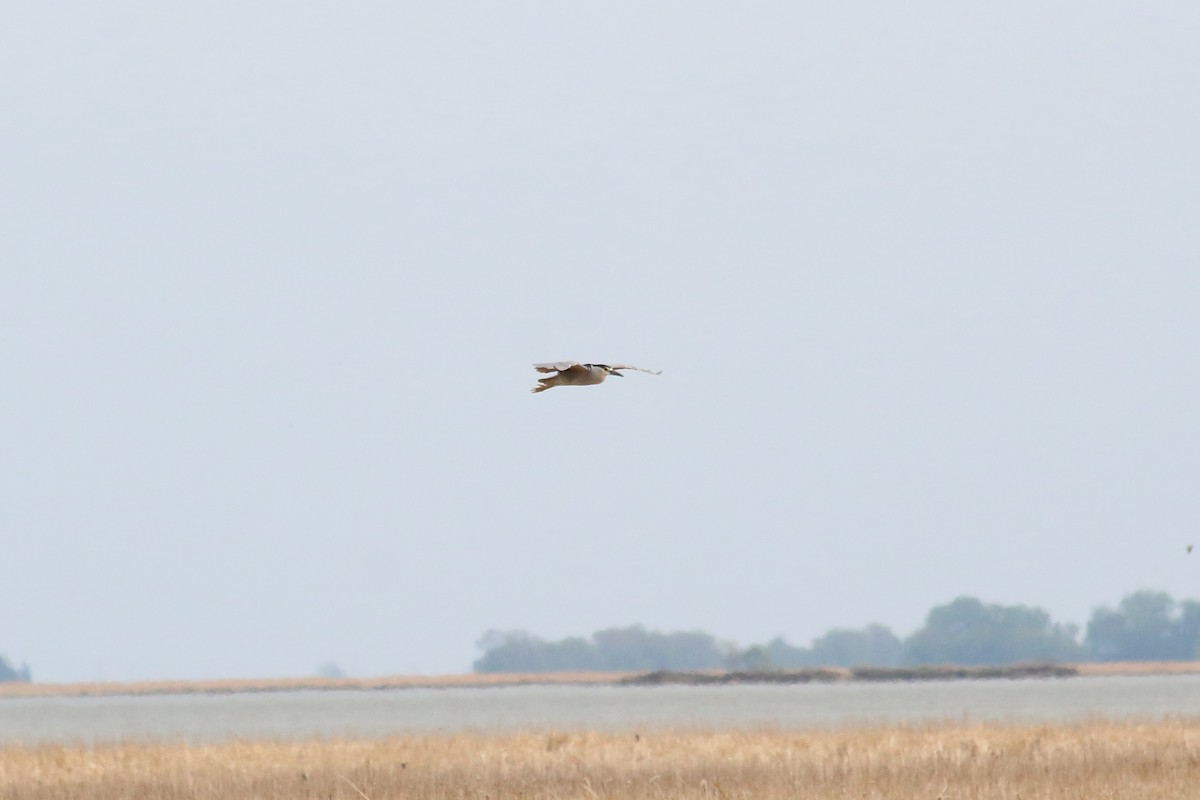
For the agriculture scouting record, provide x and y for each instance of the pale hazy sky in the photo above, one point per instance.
(923, 278)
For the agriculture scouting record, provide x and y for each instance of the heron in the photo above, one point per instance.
(572, 373)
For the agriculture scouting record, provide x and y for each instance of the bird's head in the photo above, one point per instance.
(609, 370)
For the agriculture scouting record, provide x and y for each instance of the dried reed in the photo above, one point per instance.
(229, 686)
(1098, 759)
(235, 685)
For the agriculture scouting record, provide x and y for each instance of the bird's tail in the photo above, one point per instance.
(545, 383)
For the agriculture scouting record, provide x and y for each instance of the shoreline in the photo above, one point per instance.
(298, 684)
(662, 677)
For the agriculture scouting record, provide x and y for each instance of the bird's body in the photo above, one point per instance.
(572, 373)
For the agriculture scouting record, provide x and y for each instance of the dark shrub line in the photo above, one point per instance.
(866, 674)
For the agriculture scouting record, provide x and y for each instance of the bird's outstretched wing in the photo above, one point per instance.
(556, 366)
(639, 369)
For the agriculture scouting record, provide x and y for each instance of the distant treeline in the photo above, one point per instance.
(9, 673)
(1145, 626)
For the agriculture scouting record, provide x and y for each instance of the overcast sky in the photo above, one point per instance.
(923, 279)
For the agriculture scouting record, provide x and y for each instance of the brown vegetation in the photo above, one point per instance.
(1140, 668)
(717, 677)
(231, 686)
(486, 680)
(1132, 760)
(830, 675)
(950, 673)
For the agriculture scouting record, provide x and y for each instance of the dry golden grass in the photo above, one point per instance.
(1130, 760)
(1140, 668)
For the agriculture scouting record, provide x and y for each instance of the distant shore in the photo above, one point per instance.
(497, 680)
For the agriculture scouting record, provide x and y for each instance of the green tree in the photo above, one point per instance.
(1145, 626)
(873, 646)
(755, 657)
(9, 674)
(969, 632)
(782, 655)
(1187, 630)
(617, 649)
(635, 648)
(520, 651)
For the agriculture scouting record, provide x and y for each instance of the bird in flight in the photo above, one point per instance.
(572, 373)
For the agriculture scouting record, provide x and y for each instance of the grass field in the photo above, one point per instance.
(1129, 760)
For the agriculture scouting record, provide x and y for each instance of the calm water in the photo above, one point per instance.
(295, 715)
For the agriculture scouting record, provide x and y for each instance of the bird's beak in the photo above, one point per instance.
(614, 372)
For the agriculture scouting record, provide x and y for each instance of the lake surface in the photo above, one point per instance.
(377, 713)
